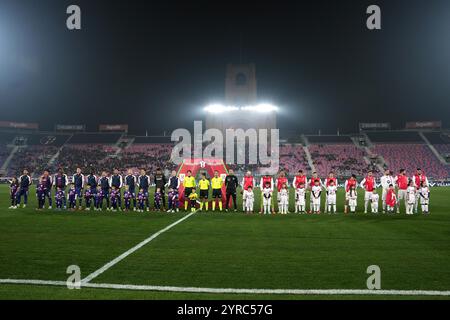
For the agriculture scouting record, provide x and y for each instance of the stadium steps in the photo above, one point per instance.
(432, 148)
(369, 154)
(307, 153)
(9, 158)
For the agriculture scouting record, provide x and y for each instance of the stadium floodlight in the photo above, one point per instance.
(262, 107)
(218, 108)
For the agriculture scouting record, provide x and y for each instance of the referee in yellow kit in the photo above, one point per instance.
(189, 185)
(204, 191)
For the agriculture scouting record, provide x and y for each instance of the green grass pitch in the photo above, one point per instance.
(225, 250)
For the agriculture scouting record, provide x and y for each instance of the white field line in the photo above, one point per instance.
(236, 291)
(136, 247)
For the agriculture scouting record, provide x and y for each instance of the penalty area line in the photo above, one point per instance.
(233, 290)
(135, 248)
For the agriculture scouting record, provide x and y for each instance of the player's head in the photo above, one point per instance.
(141, 190)
(267, 185)
(25, 172)
(113, 187)
(387, 172)
(158, 190)
(423, 184)
(59, 189)
(284, 186)
(282, 174)
(142, 172)
(116, 171)
(316, 182)
(419, 171)
(78, 170)
(331, 182)
(174, 173)
(370, 173)
(158, 170)
(248, 173)
(331, 174)
(391, 186)
(46, 173)
(314, 174)
(354, 176)
(127, 187)
(216, 173)
(130, 171)
(99, 187)
(72, 185)
(249, 188)
(189, 173)
(13, 180)
(60, 170)
(103, 173)
(300, 172)
(402, 172)
(230, 172)
(410, 182)
(302, 185)
(203, 175)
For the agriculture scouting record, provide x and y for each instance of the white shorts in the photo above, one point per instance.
(352, 202)
(331, 199)
(368, 195)
(401, 194)
(301, 202)
(267, 202)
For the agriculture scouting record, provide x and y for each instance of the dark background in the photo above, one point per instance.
(154, 65)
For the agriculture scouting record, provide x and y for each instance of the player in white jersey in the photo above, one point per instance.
(410, 197)
(386, 180)
(300, 199)
(316, 192)
(424, 194)
(352, 196)
(374, 200)
(331, 197)
(249, 199)
(284, 199)
(267, 198)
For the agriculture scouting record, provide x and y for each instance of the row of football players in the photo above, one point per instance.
(410, 190)
(94, 190)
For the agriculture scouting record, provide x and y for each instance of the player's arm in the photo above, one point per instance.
(363, 183)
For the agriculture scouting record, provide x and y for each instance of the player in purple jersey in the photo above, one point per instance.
(47, 181)
(141, 198)
(88, 198)
(40, 195)
(158, 199)
(127, 197)
(114, 198)
(60, 198)
(72, 197)
(13, 188)
(60, 181)
(173, 200)
(99, 199)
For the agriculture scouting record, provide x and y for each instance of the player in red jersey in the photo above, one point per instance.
(369, 185)
(349, 183)
(331, 179)
(418, 179)
(401, 180)
(281, 180)
(247, 181)
(265, 180)
(299, 179)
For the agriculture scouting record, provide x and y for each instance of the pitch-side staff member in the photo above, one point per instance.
(231, 183)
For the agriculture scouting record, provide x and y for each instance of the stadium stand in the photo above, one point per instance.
(293, 158)
(327, 139)
(343, 159)
(410, 157)
(37, 151)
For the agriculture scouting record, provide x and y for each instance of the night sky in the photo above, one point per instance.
(154, 65)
